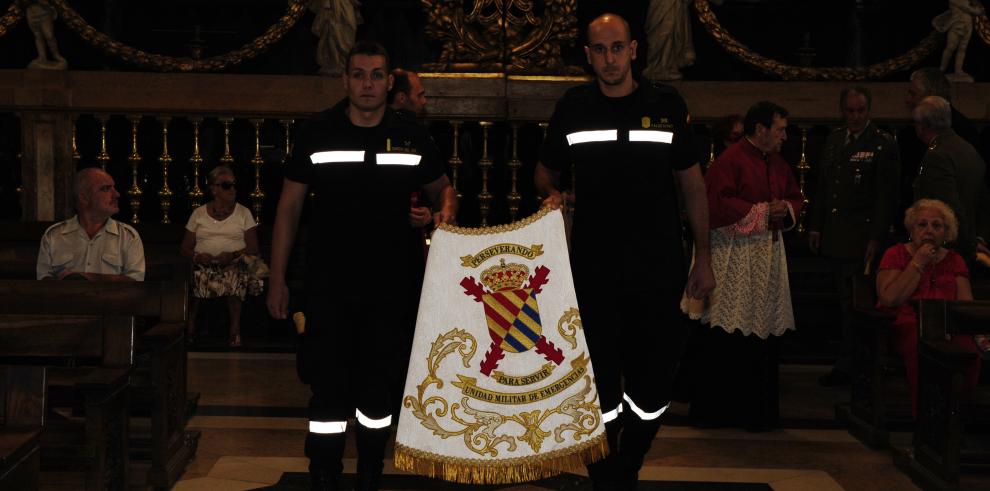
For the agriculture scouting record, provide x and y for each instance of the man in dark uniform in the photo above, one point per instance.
(952, 170)
(363, 161)
(854, 204)
(408, 93)
(408, 96)
(924, 82)
(627, 139)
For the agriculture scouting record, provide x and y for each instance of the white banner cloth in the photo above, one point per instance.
(500, 388)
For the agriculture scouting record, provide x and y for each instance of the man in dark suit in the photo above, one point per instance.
(951, 171)
(854, 202)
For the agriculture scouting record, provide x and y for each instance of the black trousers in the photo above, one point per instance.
(636, 335)
(736, 384)
(352, 355)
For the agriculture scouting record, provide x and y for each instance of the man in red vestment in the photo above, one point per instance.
(752, 198)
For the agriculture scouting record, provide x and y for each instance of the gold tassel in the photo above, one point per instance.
(506, 471)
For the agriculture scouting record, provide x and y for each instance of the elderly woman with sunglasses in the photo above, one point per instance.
(923, 268)
(218, 236)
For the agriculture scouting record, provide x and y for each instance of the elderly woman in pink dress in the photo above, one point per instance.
(923, 268)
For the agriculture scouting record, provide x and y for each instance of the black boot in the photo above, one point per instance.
(322, 480)
(637, 436)
(604, 473)
(325, 453)
(371, 453)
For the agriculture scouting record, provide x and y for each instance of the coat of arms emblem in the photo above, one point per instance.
(512, 312)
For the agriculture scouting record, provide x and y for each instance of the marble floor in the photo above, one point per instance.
(252, 419)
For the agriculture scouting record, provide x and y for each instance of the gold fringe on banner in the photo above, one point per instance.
(505, 471)
(496, 229)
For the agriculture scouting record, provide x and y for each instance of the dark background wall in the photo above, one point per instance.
(832, 32)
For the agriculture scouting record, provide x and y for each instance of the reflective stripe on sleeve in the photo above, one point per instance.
(643, 415)
(610, 415)
(327, 427)
(592, 136)
(651, 136)
(337, 157)
(397, 159)
(374, 424)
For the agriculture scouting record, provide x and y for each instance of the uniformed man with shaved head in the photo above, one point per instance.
(626, 140)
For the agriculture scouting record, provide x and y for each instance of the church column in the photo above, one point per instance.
(46, 166)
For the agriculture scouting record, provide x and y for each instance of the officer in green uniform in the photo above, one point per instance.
(856, 196)
(951, 170)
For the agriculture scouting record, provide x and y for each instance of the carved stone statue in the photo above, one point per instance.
(41, 20)
(668, 33)
(957, 24)
(336, 25)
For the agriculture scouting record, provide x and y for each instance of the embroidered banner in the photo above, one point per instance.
(500, 387)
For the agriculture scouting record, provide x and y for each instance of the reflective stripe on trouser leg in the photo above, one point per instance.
(643, 415)
(327, 427)
(374, 424)
(608, 416)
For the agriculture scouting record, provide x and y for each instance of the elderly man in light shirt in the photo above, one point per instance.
(91, 245)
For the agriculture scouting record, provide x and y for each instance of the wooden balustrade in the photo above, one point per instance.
(202, 122)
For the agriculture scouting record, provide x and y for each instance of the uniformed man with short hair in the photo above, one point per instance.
(364, 262)
(628, 139)
(853, 205)
(952, 170)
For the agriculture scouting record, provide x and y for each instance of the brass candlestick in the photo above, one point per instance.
(287, 124)
(134, 193)
(544, 127)
(711, 156)
(19, 190)
(484, 197)
(227, 158)
(257, 196)
(514, 165)
(103, 157)
(803, 168)
(455, 161)
(76, 157)
(196, 193)
(165, 193)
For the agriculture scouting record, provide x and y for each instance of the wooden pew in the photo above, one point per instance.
(94, 354)
(158, 384)
(22, 400)
(941, 446)
(878, 395)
